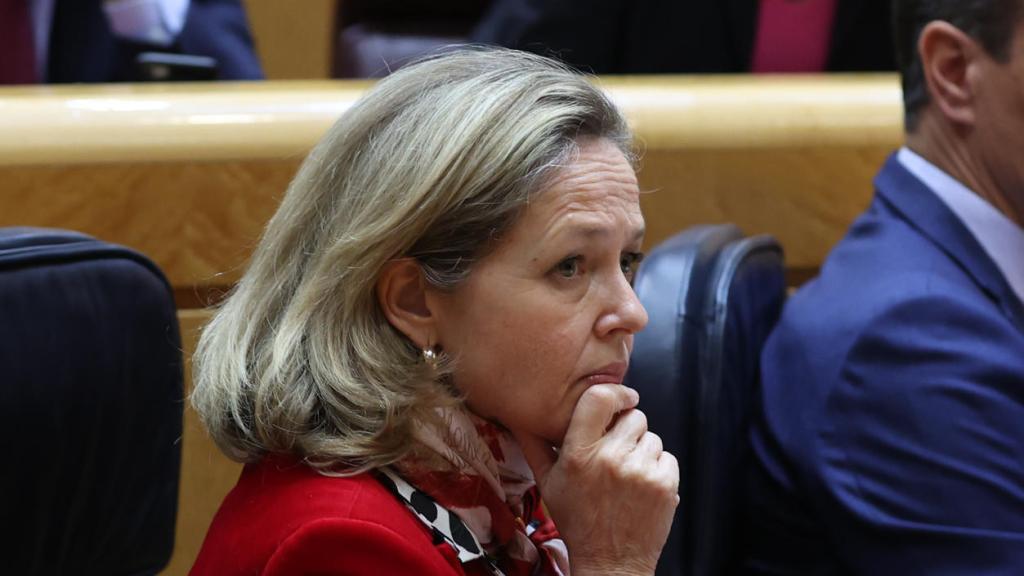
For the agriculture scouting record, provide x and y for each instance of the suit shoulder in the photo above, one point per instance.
(883, 263)
(883, 278)
(819, 328)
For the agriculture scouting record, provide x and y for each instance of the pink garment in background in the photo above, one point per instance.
(17, 52)
(793, 35)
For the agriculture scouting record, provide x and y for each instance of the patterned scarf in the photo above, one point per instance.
(477, 472)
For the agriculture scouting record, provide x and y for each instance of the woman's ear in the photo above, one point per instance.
(950, 60)
(401, 293)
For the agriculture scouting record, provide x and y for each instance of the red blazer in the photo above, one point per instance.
(284, 518)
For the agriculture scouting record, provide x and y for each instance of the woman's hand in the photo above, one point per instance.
(610, 489)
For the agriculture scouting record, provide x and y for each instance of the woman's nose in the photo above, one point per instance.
(623, 311)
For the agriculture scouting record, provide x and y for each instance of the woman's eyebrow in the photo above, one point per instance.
(591, 231)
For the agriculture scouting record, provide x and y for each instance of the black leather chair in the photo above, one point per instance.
(90, 407)
(712, 297)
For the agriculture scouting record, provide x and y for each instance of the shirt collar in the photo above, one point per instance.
(1000, 237)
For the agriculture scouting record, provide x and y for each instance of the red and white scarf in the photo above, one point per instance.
(476, 471)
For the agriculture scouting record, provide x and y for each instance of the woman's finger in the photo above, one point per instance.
(649, 447)
(628, 429)
(594, 412)
(668, 466)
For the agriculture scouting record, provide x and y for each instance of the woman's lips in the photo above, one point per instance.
(610, 374)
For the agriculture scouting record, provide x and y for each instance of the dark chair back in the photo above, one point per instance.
(90, 406)
(712, 297)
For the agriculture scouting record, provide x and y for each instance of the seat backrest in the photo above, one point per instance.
(712, 296)
(672, 284)
(90, 406)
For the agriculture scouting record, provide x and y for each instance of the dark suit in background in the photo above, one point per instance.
(672, 36)
(891, 439)
(84, 49)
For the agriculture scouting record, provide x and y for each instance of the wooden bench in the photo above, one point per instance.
(189, 174)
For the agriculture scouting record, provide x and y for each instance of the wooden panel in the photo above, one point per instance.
(197, 221)
(805, 197)
(295, 40)
(760, 112)
(231, 121)
(123, 123)
(190, 174)
(206, 474)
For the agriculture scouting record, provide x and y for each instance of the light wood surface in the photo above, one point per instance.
(229, 121)
(183, 122)
(294, 40)
(197, 221)
(189, 174)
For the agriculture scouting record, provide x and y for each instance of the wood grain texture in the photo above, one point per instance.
(200, 220)
(197, 221)
(805, 197)
(190, 174)
(183, 122)
(293, 39)
(233, 121)
(206, 474)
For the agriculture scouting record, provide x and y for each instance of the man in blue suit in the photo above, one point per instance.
(890, 439)
(83, 46)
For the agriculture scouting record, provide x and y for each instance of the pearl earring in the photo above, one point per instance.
(431, 358)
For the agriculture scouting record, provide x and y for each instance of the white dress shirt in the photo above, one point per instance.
(1000, 237)
(42, 21)
(149, 21)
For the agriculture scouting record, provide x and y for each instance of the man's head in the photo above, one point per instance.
(962, 67)
(990, 23)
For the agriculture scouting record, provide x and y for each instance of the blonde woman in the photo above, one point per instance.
(433, 333)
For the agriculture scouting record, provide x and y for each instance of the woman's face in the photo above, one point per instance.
(551, 311)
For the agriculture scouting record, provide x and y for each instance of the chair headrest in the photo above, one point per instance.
(711, 297)
(92, 405)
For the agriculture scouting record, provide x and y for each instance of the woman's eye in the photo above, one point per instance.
(629, 263)
(569, 267)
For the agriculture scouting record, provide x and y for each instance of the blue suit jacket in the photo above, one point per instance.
(84, 49)
(891, 435)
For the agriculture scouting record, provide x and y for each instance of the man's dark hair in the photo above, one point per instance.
(989, 22)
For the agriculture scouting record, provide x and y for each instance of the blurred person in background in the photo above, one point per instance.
(432, 336)
(891, 437)
(59, 41)
(711, 36)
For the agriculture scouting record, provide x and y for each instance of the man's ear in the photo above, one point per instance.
(401, 293)
(951, 61)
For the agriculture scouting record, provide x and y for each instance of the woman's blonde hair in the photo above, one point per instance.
(434, 163)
